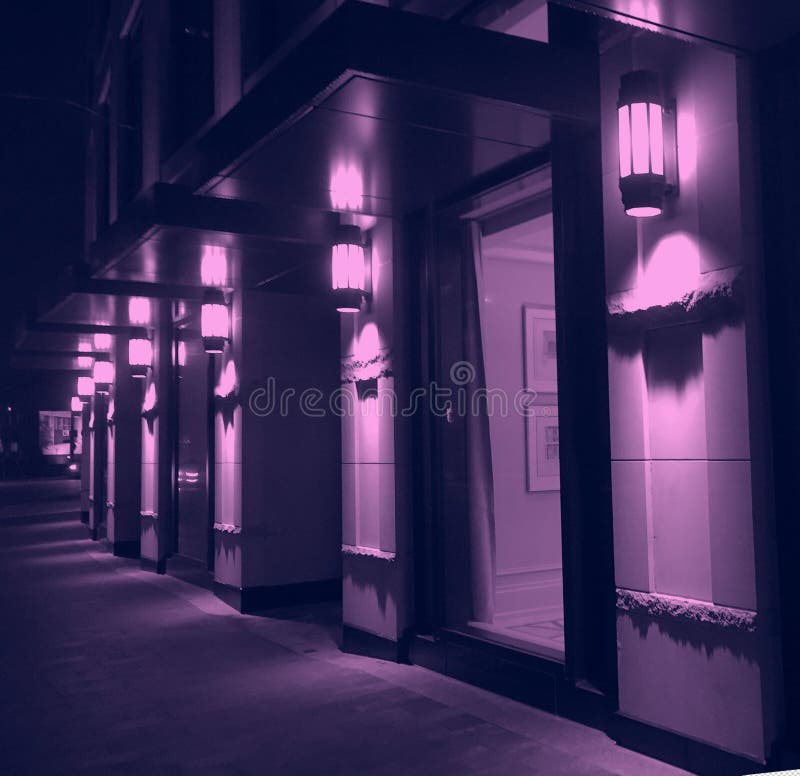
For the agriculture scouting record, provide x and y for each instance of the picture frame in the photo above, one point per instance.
(539, 338)
(541, 377)
(542, 447)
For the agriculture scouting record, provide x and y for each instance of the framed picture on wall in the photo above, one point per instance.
(540, 348)
(543, 448)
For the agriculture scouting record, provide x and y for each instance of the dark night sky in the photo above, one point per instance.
(44, 55)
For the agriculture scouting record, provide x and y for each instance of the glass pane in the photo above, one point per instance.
(518, 332)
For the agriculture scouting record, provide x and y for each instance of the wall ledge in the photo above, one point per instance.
(355, 370)
(656, 605)
(717, 294)
(227, 528)
(150, 515)
(368, 552)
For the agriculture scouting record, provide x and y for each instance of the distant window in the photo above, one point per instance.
(266, 25)
(191, 69)
(130, 131)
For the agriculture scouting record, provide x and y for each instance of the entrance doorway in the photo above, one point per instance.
(513, 254)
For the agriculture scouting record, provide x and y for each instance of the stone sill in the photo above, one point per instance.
(718, 294)
(368, 552)
(655, 605)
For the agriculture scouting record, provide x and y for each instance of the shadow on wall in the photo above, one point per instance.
(673, 357)
(707, 637)
(368, 574)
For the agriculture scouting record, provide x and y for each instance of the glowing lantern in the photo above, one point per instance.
(214, 321)
(85, 387)
(348, 269)
(140, 356)
(139, 310)
(84, 362)
(102, 341)
(103, 374)
(642, 177)
(75, 404)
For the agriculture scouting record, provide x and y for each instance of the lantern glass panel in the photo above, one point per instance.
(85, 386)
(139, 310)
(656, 139)
(640, 138)
(103, 372)
(624, 141)
(140, 352)
(214, 320)
(347, 266)
(102, 341)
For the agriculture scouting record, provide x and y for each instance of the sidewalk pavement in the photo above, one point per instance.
(106, 669)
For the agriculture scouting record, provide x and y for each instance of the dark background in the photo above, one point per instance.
(44, 66)
(44, 91)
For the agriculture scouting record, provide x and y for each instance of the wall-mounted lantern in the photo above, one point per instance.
(75, 404)
(102, 341)
(103, 374)
(139, 310)
(85, 389)
(349, 269)
(214, 321)
(140, 356)
(647, 147)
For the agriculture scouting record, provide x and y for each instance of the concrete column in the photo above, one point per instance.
(99, 445)
(689, 491)
(376, 557)
(124, 458)
(86, 461)
(157, 423)
(277, 520)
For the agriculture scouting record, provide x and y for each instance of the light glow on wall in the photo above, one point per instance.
(214, 266)
(670, 272)
(228, 380)
(181, 353)
(139, 310)
(347, 188)
(140, 356)
(85, 387)
(150, 398)
(642, 180)
(75, 404)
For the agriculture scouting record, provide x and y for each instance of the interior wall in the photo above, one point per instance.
(527, 524)
(685, 496)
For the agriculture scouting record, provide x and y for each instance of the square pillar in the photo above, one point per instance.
(124, 458)
(157, 427)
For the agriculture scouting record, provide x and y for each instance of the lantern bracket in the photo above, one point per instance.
(670, 123)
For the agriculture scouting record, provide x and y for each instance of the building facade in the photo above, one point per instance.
(383, 324)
